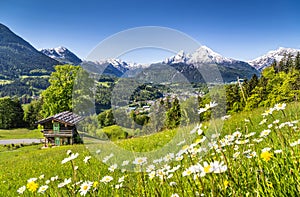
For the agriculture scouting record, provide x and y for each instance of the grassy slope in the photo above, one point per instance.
(20, 134)
(30, 162)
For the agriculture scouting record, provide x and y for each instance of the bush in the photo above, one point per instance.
(115, 132)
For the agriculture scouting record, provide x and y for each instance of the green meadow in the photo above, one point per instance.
(20, 134)
(246, 154)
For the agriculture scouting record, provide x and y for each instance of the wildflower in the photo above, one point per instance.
(31, 180)
(215, 135)
(258, 140)
(95, 184)
(265, 133)
(263, 121)
(280, 106)
(107, 158)
(179, 158)
(202, 140)
(175, 168)
(43, 188)
(226, 183)
(212, 104)
(86, 159)
(250, 134)
(218, 167)
(121, 179)
(158, 160)
(265, 149)
(168, 157)
(226, 117)
(54, 178)
(106, 179)
(237, 134)
(295, 143)
(207, 107)
(242, 141)
(251, 154)
(181, 143)
(66, 182)
(175, 195)
(172, 183)
(113, 167)
(69, 152)
(236, 147)
(21, 190)
(197, 129)
(32, 186)
(85, 187)
(201, 110)
(269, 111)
(71, 157)
(42, 176)
(266, 156)
(207, 168)
(270, 126)
(277, 151)
(47, 182)
(118, 186)
(276, 121)
(187, 172)
(151, 175)
(140, 160)
(150, 168)
(246, 120)
(247, 151)
(125, 163)
(98, 151)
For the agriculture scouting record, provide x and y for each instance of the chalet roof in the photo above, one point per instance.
(65, 117)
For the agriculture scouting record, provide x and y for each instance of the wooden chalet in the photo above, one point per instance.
(60, 129)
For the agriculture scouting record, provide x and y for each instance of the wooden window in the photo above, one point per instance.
(56, 127)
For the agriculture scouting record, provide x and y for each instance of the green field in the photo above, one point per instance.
(250, 156)
(20, 134)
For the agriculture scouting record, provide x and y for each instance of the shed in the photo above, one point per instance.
(60, 129)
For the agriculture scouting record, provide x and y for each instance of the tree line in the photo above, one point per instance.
(279, 82)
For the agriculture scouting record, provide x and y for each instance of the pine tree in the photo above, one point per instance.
(297, 61)
(173, 116)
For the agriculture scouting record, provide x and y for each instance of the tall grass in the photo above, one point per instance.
(251, 155)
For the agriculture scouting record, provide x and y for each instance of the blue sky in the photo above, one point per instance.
(234, 28)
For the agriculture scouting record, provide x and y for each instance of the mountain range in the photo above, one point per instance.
(18, 57)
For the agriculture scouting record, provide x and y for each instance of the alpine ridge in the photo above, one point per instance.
(63, 55)
(266, 60)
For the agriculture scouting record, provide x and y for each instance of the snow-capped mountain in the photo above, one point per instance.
(266, 60)
(186, 64)
(62, 55)
(207, 59)
(201, 55)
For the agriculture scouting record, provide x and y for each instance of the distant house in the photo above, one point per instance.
(60, 129)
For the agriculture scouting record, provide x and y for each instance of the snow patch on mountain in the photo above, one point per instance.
(62, 54)
(202, 55)
(266, 60)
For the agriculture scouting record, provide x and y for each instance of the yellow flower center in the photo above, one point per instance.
(85, 187)
(207, 169)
